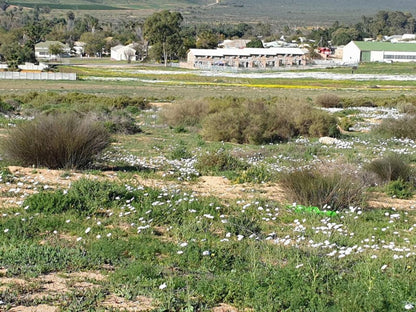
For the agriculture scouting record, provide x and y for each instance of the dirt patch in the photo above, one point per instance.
(39, 308)
(224, 308)
(140, 304)
(380, 200)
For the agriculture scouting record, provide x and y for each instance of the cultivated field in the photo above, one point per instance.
(226, 192)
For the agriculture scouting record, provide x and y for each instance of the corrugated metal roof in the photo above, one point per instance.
(385, 46)
(246, 51)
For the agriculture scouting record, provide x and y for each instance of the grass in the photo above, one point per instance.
(141, 219)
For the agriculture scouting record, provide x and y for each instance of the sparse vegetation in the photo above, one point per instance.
(404, 127)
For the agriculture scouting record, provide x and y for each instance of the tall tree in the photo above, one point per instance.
(162, 30)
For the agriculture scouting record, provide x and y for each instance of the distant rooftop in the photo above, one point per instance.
(386, 46)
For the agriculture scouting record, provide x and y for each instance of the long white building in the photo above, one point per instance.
(246, 58)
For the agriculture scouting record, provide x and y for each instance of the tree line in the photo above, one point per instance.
(165, 32)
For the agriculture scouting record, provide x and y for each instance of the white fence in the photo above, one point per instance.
(38, 76)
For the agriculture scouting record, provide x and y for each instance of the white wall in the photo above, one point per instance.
(351, 53)
(377, 56)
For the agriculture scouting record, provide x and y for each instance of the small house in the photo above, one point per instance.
(123, 53)
(42, 50)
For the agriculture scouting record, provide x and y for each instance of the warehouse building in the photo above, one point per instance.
(360, 51)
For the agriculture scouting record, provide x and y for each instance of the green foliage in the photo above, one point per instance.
(400, 189)
(243, 225)
(391, 168)
(162, 29)
(33, 260)
(255, 43)
(218, 161)
(180, 151)
(84, 197)
(56, 141)
(331, 190)
(255, 174)
(404, 127)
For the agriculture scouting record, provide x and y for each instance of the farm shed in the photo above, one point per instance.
(42, 50)
(360, 51)
(246, 58)
(123, 53)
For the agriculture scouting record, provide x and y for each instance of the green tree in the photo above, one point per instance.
(162, 30)
(207, 40)
(56, 49)
(94, 42)
(344, 35)
(255, 43)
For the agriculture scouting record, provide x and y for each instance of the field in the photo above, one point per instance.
(168, 219)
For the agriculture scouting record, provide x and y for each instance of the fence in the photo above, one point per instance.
(38, 76)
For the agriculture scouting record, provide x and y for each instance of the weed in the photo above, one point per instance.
(400, 189)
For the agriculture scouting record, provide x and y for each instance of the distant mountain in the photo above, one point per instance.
(294, 12)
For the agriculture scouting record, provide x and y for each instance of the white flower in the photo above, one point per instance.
(163, 286)
(206, 253)
(67, 221)
(179, 252)
(240, 237)
(6, 230)
(79, 238)
(98, 236)
(87, 230)
(409, 306)
(384, 267)
(109, 235)
(299, 266)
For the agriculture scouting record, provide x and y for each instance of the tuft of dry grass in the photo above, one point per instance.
(56, 141)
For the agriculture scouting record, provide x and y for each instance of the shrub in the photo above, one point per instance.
(404, 127)
(328, 100)
(185, 113)
(332, 190)
(391, 168)
(213, 162)
(400, 189)
(56, 141)
(261, 122)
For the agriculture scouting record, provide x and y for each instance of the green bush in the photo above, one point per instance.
(264, 121)
(391, 168)
(56, 141)
(332, 190)
(404, 127)
(219, 161)
(400, 189)
(328, 100)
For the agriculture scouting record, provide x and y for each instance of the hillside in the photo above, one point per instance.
(294, 12)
